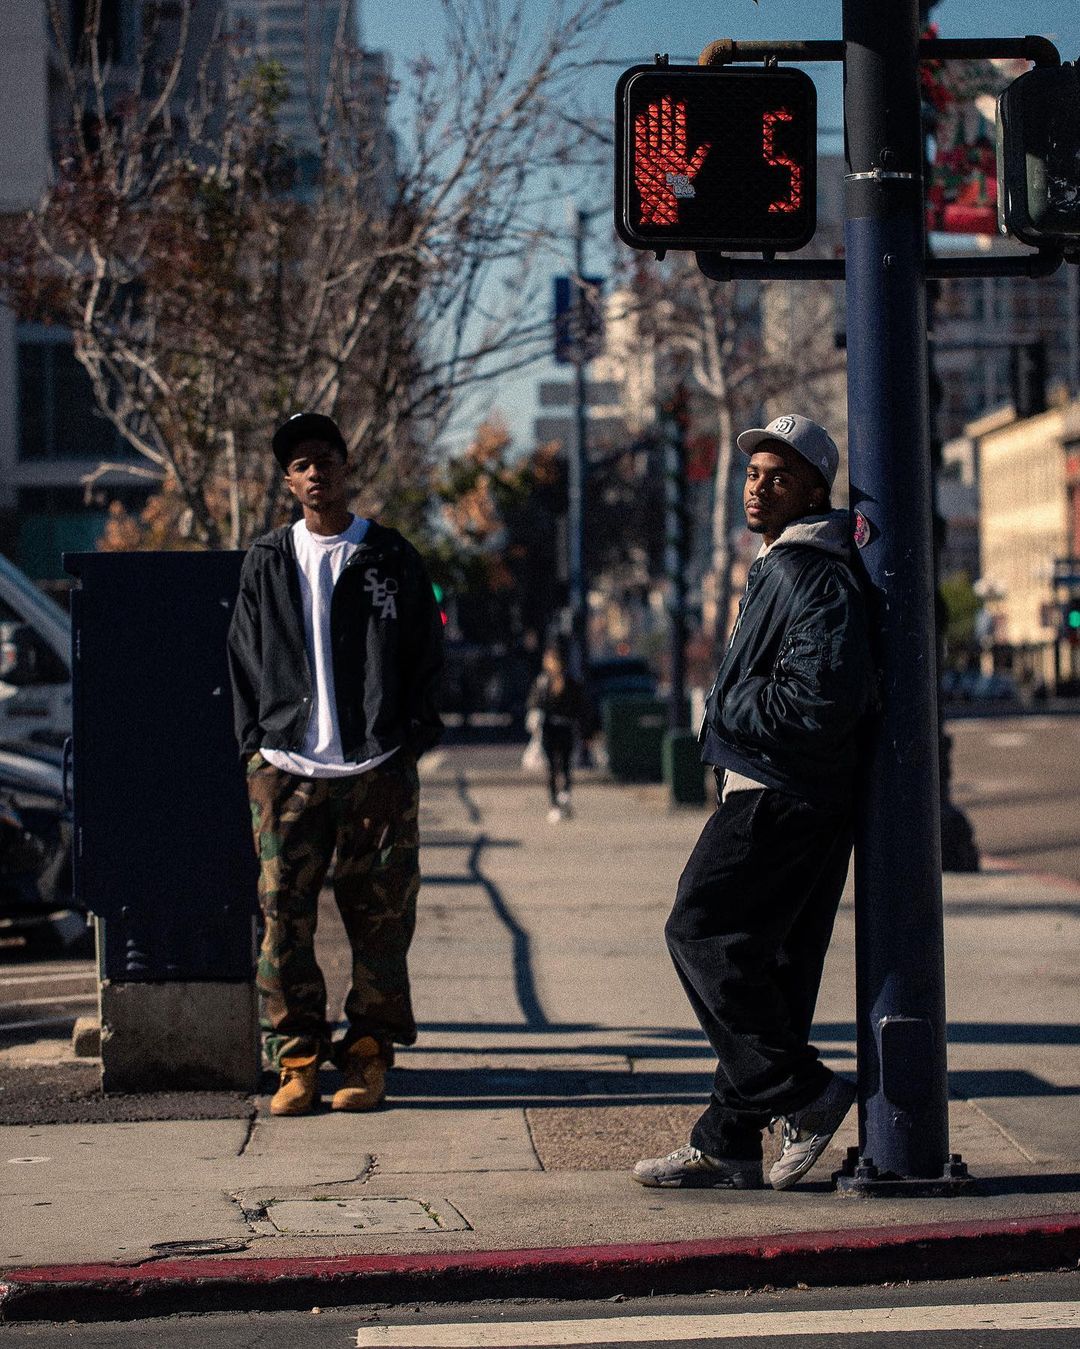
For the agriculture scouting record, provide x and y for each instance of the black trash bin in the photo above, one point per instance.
(634, 729)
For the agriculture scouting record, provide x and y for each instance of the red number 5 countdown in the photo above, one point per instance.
(793, 200)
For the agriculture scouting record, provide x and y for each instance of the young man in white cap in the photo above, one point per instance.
(756, 903)
(335, 651)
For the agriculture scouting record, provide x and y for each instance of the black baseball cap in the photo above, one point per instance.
(303, 426)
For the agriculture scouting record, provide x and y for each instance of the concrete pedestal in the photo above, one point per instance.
(179, 1036)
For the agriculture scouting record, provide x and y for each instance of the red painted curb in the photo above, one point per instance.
(855, 1256)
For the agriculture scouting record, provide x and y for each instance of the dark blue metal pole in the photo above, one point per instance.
(675, 551)
(903, 1094)
(577, 465)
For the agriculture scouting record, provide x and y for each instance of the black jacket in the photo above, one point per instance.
(797, 679)
(570, 708)
(386, 633)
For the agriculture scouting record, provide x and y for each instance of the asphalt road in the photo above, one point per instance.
(1019, 1312)
(1018, 780)
(41, 998)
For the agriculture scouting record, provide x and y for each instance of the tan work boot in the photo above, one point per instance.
(364, 1069)
(296, 1092)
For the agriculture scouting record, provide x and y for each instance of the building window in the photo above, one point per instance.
(58, 520)
(58, 415)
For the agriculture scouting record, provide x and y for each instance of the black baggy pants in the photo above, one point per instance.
(748, 934)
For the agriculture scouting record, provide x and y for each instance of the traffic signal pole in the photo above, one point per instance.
(900, 975)
(672, 191)
(577, 468)
(676, 560)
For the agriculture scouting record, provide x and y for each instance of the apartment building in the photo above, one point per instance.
(51, 433)
(1029, 477)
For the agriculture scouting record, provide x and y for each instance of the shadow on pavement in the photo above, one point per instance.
(973, 1083)
(1058, 1183)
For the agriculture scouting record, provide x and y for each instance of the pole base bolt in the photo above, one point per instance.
(859, 1176)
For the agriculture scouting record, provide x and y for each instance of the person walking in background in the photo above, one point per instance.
(559, 701)
(335, 653)
(756, 903)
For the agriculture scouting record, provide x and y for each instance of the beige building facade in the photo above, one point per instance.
(1025, 531)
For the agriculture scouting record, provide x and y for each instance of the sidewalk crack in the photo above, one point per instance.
(253, 1120)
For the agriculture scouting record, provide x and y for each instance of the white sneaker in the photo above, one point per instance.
(807, 1133)
(689, 1168)
(565, 806)
(555, 815)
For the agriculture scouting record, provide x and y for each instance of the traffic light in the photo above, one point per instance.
(439, 594)
(1027, 373)
(1070, 619)
(1038, 156)
(713, 157)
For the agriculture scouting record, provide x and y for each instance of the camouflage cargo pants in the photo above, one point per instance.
(368, 824)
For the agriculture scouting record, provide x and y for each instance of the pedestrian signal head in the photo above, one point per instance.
(1038, 156)
(710, 158)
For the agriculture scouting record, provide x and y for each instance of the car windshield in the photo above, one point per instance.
(33, 603)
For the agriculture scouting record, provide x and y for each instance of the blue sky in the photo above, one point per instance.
(681, 28)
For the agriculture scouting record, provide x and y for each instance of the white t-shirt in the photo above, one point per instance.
(319, 560)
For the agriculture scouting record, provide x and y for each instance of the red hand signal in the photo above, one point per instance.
(662, 172)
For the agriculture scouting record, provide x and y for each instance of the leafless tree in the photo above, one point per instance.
(740, 351)
(217, 276)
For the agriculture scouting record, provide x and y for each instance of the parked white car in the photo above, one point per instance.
(35, 661)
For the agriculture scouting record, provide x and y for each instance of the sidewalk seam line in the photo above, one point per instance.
(1004, 1132)
(532, 1139)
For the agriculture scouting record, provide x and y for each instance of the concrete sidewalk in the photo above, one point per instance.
(556, 1049)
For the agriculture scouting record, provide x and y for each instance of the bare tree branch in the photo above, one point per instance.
(218, 276)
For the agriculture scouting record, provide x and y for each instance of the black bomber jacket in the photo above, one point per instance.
(386, 636)
(797, 679)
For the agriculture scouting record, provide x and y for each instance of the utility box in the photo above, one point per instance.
(163, 851)
(684, 772)
(634, 730)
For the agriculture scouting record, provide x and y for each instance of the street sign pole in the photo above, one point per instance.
(900, 976)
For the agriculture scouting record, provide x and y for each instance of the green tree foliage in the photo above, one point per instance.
(961, 607)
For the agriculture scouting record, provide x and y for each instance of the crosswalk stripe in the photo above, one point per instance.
(1018, 1316)
(51, 1002)
(48, 979)
(56, 969)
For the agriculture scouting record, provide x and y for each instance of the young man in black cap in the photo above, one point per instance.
(335, 651)
(756, 903)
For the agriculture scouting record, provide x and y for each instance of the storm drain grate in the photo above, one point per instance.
(332, 1216)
